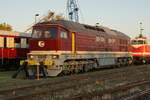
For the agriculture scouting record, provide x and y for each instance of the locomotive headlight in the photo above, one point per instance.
(31, 56)
(55, 56)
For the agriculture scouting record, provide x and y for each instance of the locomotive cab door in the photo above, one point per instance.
(64, 40)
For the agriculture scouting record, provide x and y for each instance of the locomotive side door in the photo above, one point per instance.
(64, 40)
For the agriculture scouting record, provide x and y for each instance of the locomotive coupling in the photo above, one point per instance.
(35, 62)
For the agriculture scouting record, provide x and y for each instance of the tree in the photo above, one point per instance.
(5, 27)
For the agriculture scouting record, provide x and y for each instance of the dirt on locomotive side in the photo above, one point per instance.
(66, 86)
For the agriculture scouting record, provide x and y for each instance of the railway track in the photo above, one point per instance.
(17, 94)
(74, 79)
(142, 95)
(119, 92)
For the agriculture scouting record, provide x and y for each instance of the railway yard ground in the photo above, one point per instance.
(126, 83)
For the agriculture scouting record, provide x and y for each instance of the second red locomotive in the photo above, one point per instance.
(70, 47)
(140, 49)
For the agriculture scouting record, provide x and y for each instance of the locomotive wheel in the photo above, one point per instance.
(144, 61)
(86, 67)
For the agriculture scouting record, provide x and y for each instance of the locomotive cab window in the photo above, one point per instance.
(63, 34)
(37, 33)
(50, 32)
(136, 42)
(141, 42)
(133, 42)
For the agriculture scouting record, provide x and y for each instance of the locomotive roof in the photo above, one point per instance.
(83, 28)
(11, 33)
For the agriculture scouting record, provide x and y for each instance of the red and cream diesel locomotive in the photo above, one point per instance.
(70, 47)
(140, 49)
(13, 48)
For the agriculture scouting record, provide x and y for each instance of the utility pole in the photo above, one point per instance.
(36, 18)
(141, 30)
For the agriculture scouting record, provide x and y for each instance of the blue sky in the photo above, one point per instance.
(122, 15)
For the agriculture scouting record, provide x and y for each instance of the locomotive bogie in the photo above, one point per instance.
(79, 62)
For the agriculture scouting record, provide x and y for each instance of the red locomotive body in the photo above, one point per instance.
(140, 47)
(13, 48)
(141, 50)
(67, 47)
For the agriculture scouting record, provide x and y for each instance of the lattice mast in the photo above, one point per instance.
(72, 9)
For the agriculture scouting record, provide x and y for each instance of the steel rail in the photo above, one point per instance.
(63, 81)
(58, 90)
(54, 83)
(138, 95)
(109, 91)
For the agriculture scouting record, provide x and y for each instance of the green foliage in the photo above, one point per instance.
(5, 27)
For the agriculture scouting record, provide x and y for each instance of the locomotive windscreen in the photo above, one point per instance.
(37, 33)
(48, 32)
(137, 42)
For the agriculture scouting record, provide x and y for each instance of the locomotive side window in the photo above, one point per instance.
(1, 41)
(17, 42)
(50, 32)
(97, 38)
(37, 33)
(109, 40)
(10, 42)
(102, 39)
(63, 34)
(23, 43)
(113, 40)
